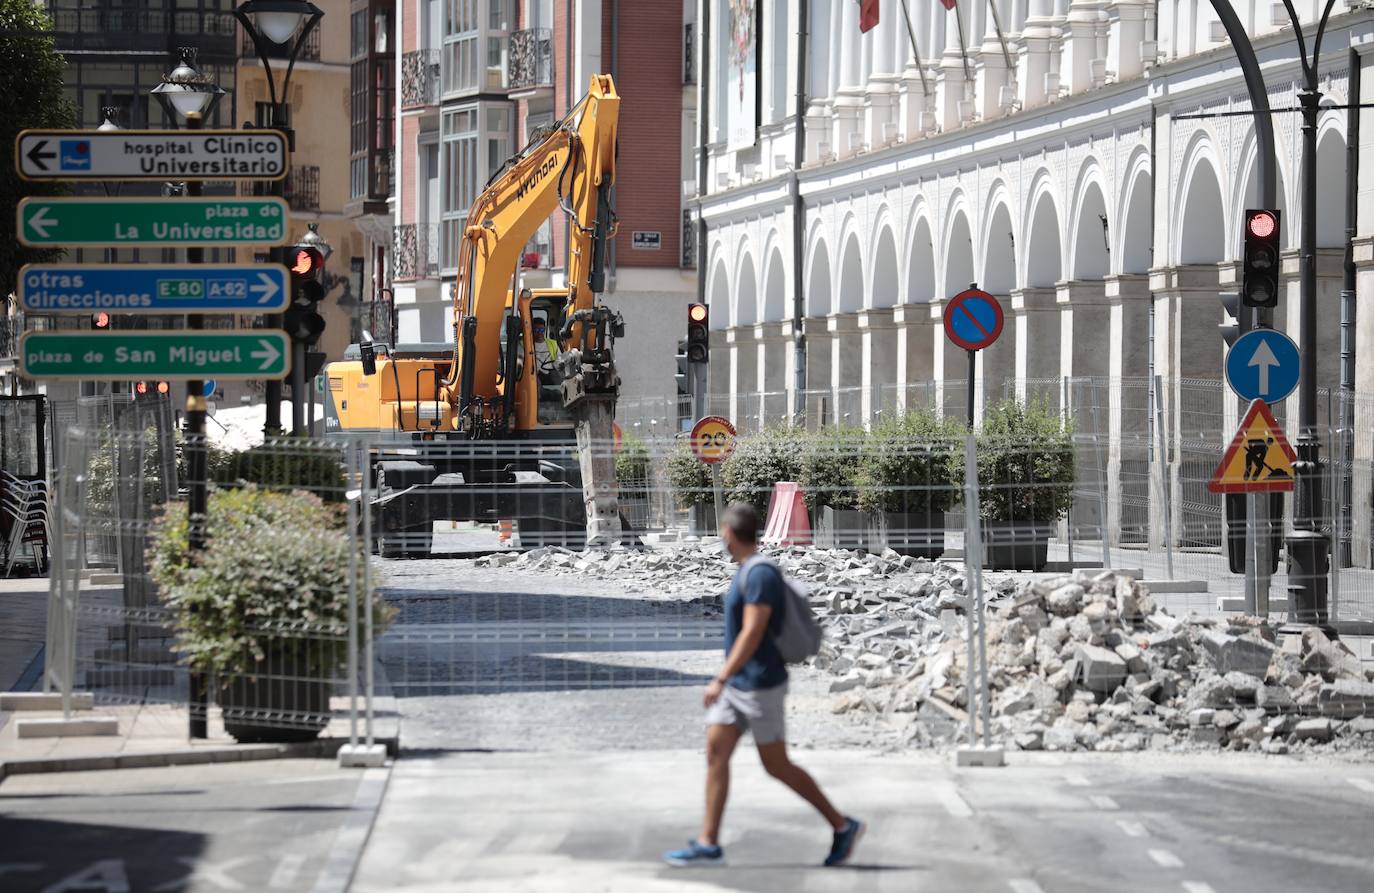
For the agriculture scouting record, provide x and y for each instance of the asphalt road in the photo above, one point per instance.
(269, 825)
(1123, 822)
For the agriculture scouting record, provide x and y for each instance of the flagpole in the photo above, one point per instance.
(915, 50)
(1001, 38)
(963, 44)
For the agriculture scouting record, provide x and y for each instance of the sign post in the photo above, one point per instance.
(973, 320)
(1263, 365)
(713, 441)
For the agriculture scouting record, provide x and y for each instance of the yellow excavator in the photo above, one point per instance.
(513, 421)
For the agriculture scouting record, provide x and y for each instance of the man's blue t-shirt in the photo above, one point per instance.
(760, 583)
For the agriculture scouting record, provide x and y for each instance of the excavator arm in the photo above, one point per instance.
(572, 168)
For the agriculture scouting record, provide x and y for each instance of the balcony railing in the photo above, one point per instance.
(531, 58)
(420, 79)
(689, 241)
(689, 54)
(131, 30)
(303, 187)
(309, 53)
(416, 250)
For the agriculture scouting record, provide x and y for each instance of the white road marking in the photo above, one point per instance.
(1197, 887)
(216, 873)
(1077, 779)
(1024, 885)
(107, 875)
(1363, 784)
(1132, 829)
(284, 875)
(1166, 859)
(1102, 801)
(954, 804)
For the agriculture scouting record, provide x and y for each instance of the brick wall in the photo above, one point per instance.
(410, 162)
(648, 187)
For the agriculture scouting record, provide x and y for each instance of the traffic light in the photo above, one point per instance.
(698, 335)
(100, 320)
(1230, 318)
(300, 320)
(146, 388)
(1260, 261)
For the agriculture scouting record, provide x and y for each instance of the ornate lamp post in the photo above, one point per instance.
(272, 23)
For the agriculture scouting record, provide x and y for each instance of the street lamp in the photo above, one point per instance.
(187, 92)
(273, 22)
(107, 115)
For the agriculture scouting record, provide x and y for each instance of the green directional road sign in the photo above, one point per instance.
(180, 355)
(151, 222)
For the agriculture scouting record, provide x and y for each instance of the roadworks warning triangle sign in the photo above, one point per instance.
(1259, 459)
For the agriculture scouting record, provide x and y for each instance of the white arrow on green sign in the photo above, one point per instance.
(177, 356)
(151, 222)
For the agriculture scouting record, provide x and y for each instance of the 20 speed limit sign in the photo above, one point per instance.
(713, 439)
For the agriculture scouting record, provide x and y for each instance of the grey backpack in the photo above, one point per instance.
(800, 634)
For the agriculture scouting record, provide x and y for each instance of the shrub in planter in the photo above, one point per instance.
(829, 477)
(909, 477)
(264, 607)
(282, 463)
(759, 462)
(1025, 482)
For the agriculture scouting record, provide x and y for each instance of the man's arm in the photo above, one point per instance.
(753, 626)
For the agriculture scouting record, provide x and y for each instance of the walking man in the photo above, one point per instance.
(748, 695)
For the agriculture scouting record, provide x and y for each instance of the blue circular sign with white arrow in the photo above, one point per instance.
(1263, 364)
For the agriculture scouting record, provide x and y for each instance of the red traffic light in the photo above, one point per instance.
(100, 320)
(1262, 224)
(696, 313)
(141, 388)
(305, 262)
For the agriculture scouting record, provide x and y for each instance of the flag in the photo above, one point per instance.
(868, 15)
(949, 4)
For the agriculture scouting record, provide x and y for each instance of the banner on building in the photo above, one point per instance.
(741, 106)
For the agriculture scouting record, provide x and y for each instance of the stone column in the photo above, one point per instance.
(1362, 529)
(1128, 409)
(743, 372)
(1125, 32)
(992, 74)
(773, 342)
(1034, 60)
(1083, 321)
(849, 97)
(879, 339)
(1035, 324)
(846, 368)
(1080, 46)
(915, 356)
(950, 365)
(818, 375)
(880, 97)
(950, 84)
(718, 371)
(1187, 347)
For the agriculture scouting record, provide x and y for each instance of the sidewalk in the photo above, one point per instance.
(23, 619)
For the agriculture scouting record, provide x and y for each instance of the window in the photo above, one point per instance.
(460, 46)
(474, 142)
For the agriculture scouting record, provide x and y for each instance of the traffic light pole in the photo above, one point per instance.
(1257, 558)
(278, 188)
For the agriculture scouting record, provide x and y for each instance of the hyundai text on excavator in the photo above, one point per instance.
(514, 419)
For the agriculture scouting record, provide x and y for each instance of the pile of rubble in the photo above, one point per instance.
(1090, 663)
(1082, 662)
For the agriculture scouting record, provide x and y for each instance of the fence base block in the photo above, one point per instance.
(362, 756)
(66, 728)
(37, 700)
(980, 756)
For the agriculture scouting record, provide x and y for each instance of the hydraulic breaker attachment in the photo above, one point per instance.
(590, 388)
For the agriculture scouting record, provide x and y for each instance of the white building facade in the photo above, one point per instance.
(1083, 162)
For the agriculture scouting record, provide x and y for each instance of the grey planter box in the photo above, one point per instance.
(917, 534)
(703, 520)
(840, 529)
(1016, 545)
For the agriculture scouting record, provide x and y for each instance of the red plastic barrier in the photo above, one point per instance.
(788, 524)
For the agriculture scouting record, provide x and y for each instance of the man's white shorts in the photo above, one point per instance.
(761, 711)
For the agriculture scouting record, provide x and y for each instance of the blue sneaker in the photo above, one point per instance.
(846, 839)
(695, 853)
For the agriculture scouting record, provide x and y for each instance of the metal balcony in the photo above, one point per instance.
(531, 59)
(309, 53)
(97, 30)
(303, 187)
(420, 79)
(415, 247)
